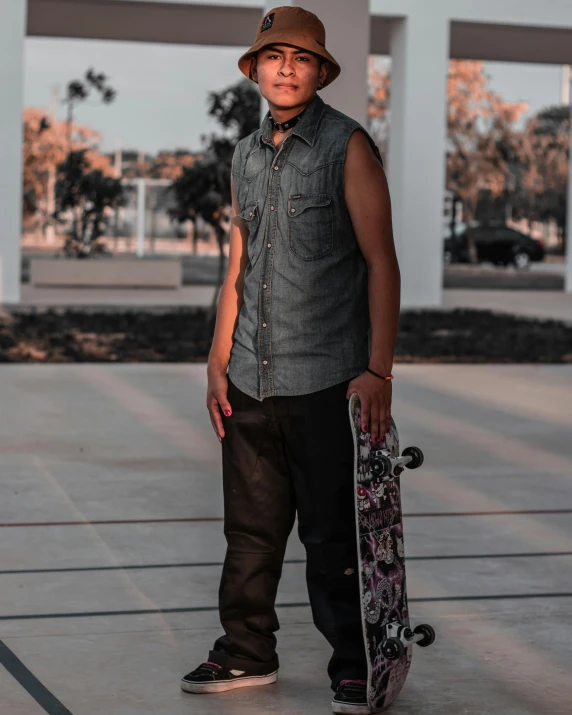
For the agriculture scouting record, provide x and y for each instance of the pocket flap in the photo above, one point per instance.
(250, 211)
(298, 202)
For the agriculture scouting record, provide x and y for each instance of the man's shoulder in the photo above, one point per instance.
(344, 125)
(242, 150)
(248, 142)
(333, 117)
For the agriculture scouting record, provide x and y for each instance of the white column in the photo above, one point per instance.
(566, 79)
(416, 165)
(347, 39)
(12, 32)
(568, 259)
(140, 222)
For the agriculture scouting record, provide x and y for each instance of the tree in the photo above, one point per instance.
(78, 91)
(545, 158)
(203, 188)
(170, 164)
(379, 84)
(236, 108)
(45, 147)
(483, 144)
(87, 189)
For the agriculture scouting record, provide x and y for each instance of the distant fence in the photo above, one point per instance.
(143, 226)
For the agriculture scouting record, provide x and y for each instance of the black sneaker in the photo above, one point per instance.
(351, 698)
(211, 677)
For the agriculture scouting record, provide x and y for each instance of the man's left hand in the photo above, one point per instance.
(375, 399)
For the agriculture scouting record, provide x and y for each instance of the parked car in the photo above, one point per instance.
(496, 244)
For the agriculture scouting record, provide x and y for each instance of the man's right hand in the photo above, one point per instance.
(217, 402)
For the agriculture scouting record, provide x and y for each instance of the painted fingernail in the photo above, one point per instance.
(227, 413)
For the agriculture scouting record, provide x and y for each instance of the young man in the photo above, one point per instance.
(312, 268)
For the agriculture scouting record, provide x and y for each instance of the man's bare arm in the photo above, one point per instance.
(229, 304)
(367, 198)
(231, 296)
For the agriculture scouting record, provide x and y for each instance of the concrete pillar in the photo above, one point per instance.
(12, 32)
(140, 219)
(568, 259)
(347, 39)
(417, 144)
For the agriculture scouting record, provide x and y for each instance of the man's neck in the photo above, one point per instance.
(279, 114)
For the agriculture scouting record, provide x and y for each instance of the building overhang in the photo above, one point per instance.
(200, 24)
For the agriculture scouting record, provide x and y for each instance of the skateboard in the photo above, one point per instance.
(388, 637)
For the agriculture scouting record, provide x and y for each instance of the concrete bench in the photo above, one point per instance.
(105, 273)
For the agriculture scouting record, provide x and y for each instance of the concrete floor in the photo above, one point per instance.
(106, 599)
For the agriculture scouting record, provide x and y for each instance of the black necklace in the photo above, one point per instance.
(284, 126)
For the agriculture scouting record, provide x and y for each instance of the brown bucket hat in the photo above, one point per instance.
(293, 26)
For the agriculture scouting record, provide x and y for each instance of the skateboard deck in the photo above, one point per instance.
(388, 638)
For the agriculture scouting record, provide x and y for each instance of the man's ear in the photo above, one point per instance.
(323, 73)
(253, 71)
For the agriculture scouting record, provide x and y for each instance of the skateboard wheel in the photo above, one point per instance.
(392, 649)
(427, 632)
(380, 466)
(416, 457)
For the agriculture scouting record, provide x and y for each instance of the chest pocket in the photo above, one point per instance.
(310, 225)
(250, 214)
(255, 163)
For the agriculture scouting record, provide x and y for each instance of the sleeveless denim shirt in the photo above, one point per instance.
(304, 322)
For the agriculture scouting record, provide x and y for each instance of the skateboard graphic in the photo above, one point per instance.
(387, 634)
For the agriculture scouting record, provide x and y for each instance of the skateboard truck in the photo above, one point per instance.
(399, 637)
(384, 466)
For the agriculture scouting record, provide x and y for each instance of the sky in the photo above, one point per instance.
(162, 88)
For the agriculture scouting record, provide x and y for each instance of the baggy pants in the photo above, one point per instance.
(281, 456)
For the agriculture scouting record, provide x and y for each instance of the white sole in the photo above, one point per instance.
(348, 709)
(224, 685)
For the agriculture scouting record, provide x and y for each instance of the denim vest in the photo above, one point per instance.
(304, 322)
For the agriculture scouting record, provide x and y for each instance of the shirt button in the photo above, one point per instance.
(269, 245)
(264, 286)
(250, 213)
(272, 208)
(276, 167)
(265, 362)
(263, 325)
(292, 211)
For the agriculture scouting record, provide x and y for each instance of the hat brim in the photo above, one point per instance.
(285, 38)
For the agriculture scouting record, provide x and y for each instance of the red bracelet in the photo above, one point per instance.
(389, 377)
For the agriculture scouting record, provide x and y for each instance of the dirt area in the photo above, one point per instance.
(185, 335)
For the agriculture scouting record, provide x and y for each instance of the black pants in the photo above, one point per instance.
(284, 455)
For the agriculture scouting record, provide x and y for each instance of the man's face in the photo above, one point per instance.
(287, 75)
